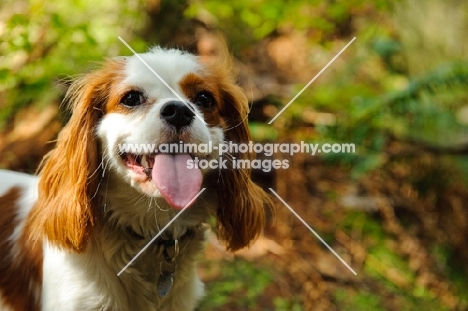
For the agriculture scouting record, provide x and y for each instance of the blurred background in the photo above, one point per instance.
(396, 210)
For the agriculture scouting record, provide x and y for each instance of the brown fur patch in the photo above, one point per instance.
(21, 274)
(109, 75)
(193, 84)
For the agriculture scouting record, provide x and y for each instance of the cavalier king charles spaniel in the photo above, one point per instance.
(80, 236)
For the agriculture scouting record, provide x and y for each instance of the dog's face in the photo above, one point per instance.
(125, 103)
(175, 103)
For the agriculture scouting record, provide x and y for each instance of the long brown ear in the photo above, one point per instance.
(66, 210)
(241, 211)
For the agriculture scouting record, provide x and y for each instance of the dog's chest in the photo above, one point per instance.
(167, 270)
(155, 279)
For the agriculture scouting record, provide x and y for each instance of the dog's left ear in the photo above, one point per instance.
(242, 203)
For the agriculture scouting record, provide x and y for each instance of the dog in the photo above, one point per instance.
(101, 228)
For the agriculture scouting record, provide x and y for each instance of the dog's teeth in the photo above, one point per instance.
(144, 161)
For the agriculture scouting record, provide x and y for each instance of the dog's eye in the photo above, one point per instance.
(204, 99)
(132, 99)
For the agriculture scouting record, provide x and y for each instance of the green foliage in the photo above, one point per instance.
(42, 41)
(239, 285)
(428, 104)
(362, 301)
(262, 132)
(424, 111)
(286, 304)
(254, 20)
(381, 258)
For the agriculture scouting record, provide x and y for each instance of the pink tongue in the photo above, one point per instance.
(177, 183)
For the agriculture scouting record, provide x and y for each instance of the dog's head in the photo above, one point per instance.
(150, 119)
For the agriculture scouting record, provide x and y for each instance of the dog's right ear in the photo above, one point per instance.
(66, 211)
(242, 203)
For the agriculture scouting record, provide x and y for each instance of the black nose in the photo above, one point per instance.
(177, 113)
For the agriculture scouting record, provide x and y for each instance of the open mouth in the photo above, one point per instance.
(176, 182)
(139, 163)
(143, 163)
